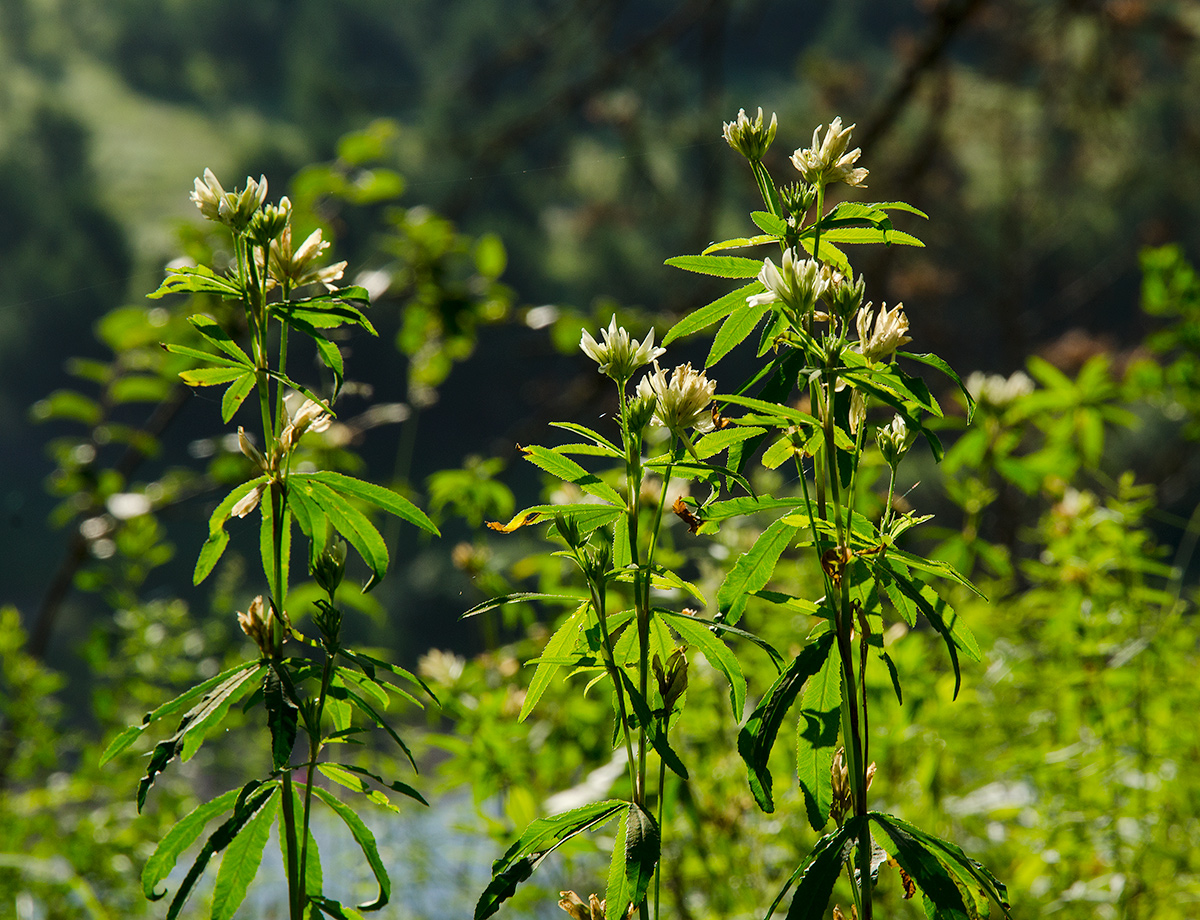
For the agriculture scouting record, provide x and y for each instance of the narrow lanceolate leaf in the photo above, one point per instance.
(211, 376)
(248, 806)
(785, 414)
(972, 878)
(740, 242)
(564, 640)
(820, 871)
(389, 501)
(324, 312)
(522, 597)
(599, 440)
(737, 326)
(635, 854)
(570, 471)
(712, 444)
(218, 539)
(713, 312)
(179, 838)
(719, 655)
(342, 773)
(720, 266)
(541, 838)
(817, 737)
(236, 394)
(923, 867)
(941, 616)
(934, 361)
(198, 280)
(215, 333)
(331, 355)
(133, 732)
(194, 726)
(242, 858)
(350, 523)
(753, 570)
(756, 740)
(366, 842)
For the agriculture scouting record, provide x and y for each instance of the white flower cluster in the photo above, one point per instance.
(827, 161)
(619, 356)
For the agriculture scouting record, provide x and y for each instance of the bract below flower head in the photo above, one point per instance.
(879, 336)
(797, 283)
(827, 161)
(682, 402)
(619, 355)
(750, 138)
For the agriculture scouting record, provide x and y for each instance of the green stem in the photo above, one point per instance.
(295, 907)
(314, 748)
(766, 187)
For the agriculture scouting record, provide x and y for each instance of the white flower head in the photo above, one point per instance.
(619, 356)
(894, 440)
(879, 336)
(997, 391)
(298, 266)
(682, 402)
(750, 138)
(797, 283)
(827, 161)
(234, 209)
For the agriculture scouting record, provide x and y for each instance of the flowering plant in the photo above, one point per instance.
(836, 357)
(337, 692)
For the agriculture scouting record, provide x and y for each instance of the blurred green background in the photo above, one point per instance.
(504, 173)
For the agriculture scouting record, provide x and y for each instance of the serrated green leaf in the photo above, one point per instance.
(521, 597)
(769, 223)
(819, 872)
(334, 770)
(816, 739)
(757, 738)
(753, 570)
(775, 410)
(565, 638)
(923, 867)
(712, 444)
(740, 242)
(242, 858)
(861, 235)
(196, 280)
(366, 842)
(350, 523)
(331, 355)
(539, 839)
(934, 361)
(389, 501)
(323, 313)
(215, 333)
(133, 732)
(570, 471)
(609, 447)
(193, 726)
(179, 838)
(707, 315)
(635, 854)
(720, 266)
(737, 326)
(236, 394)
(247, 807)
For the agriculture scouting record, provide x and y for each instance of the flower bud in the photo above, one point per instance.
(672, 679)
(798, 197)
(894, 441)
(252, 453)
(255, 625)
(640, 410)
(329, 565)
(329, 621)
(750, 138)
